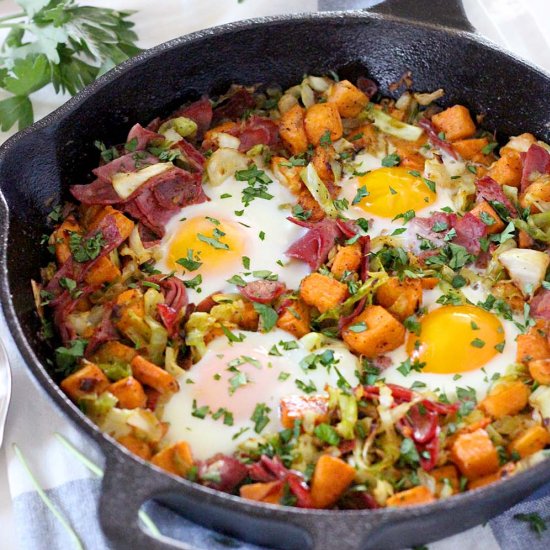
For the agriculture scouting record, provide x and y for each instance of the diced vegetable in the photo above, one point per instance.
(402, 298)
(505, 471)
(176, 459)
(349, 99)
(391, 126)
(474, 454)
(295, 319)
(323, 120)
(88, 380)
(486, 213)
(506, 398)
(322, 292)
(507, 169)
(526, 267)
(184, 127)
(103, 271)
(223, 163)
(270, 492)
(540, 400)
(534, 344)
(136, 446)
(347, 258)
(539, 369)
(129, 393)
(455, 122)
(331, 477)
(382, 332)
(61, 238)
(411, 497)
(297, 407)
(155, 377)
(472, 149)
(292, 130)
(530, 442)
(446, 475)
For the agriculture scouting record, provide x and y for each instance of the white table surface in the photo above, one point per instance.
(522, 26)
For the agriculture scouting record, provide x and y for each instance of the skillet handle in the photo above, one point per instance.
(449, 13)
(119, 508)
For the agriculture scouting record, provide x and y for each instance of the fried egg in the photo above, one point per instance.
(456, 346)
(386, 196)
(223, 237)
(233, 392)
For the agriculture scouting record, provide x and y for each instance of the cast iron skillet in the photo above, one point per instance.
(37, 165)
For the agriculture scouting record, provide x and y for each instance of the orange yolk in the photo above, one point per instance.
(393, 191)
(214, 244)
(456, 339)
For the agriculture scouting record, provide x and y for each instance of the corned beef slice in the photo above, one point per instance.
(488, 189)
(142, 136)
(536, 161)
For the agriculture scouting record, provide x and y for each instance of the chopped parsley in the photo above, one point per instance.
(258, 182)
(66, 357)
(190, 262)
(361, 194)
(391, 160)
(85, 250)
(260, 417)
(268, 316)
(327, 433)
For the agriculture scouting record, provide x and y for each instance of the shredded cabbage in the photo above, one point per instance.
(392, 126)
(197, 327)
(318, 190)
(537, 226)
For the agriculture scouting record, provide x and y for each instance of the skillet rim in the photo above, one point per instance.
(114, 452)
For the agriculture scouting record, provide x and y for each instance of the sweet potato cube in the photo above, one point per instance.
(155, 377)
(505, 471)
(524, 239)
(507, 169)
(322, 158)
(365, 137)
(137, 446)
(322, 291)
(446, 474)
(474, 454)
(295, 319)
(103, 271)
(270, 492)
(486, 213)
(455, 122)
(129, 393)
(86, 381)
(331, 477)
(124, 225)
(292, 131)
(539, 369)
(131, 315)
(176, 459)
(429, 283)
(411, 497)
(383, 332)
(534, 439)
(534, 344)
(296, 407)
(61, 236)
(114, 352)
(347, 258)
(322, 118)
(402, 298)
(349, 99)
(507, 398)
(289, 176)
(472, 149)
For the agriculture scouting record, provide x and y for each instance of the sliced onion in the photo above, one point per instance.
(223, 163)
(126, 183)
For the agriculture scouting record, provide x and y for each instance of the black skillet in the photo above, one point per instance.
(433, 39)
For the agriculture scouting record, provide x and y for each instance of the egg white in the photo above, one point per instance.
(208, 436)
(267, 216)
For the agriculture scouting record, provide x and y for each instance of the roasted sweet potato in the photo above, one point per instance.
(536, 195)
(533, 345)
(429, 283)
(506, 398)
(270, 492)
(89, 380)
(383, 332)
(532, 440)
(349, 99)
(176, 459)
(129, 393)
(524, 239)
(308, 203)
(401, 298)
(505, 471)
(292, 131)
(331, 477)
(137, 446)
(486, 213)
(507, 169)
(408, 152)
(411, 497)
(347, 258)
(103, 271)
(365, 137)
(455, 122)
(61, 238)
(289, 176)
(114, 352)
(446, 474)
(321, 118)
(155, 377)
(472, 149)
(474, 454)
(295, 319)
(539, 369)
(295, 407)
(130, 316)
(322, 291)
(322, 157)
(124, 224)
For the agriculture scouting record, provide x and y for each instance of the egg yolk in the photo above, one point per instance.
(215, 243)
(456, 339)
(393, 191)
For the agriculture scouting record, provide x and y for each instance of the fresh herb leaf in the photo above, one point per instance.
(391, 160)
(190, 262)
(268, 316)
(260, 417)
(327, 434)
(66, 357)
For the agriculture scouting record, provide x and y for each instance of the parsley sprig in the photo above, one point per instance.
(61, 43)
